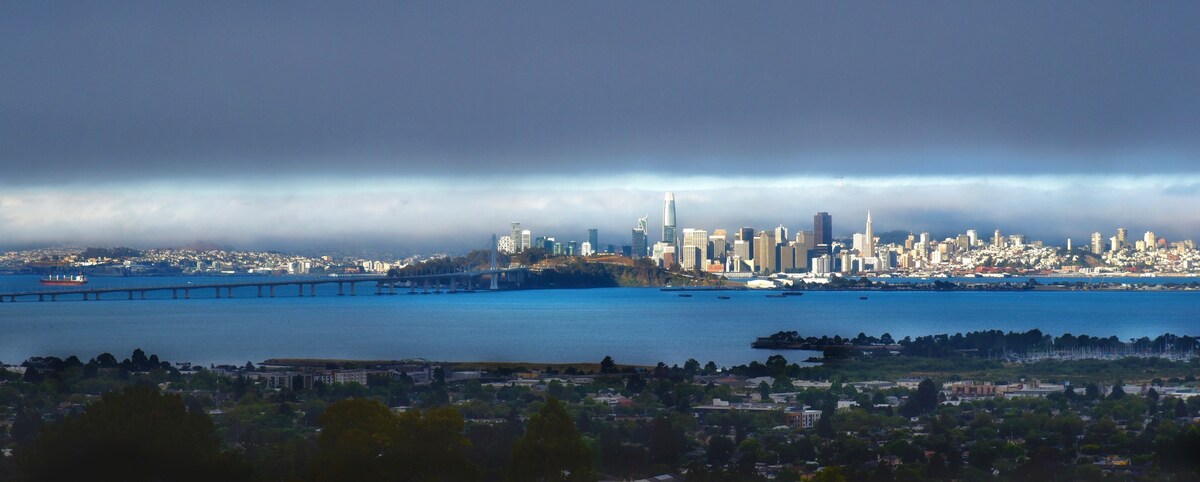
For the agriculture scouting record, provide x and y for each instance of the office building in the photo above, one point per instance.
(765, 254)
(717, 246)
(638, 248)
(869, 238)
(669, 219)
(593, 238)
(526, 240)
(695, 249)
(516, 236)
(747, 235)
(823, 232)
(741, 249)
(1097, 244)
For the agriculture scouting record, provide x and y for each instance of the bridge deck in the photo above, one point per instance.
(380, 280)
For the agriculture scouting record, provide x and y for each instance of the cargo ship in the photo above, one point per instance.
(62, 280)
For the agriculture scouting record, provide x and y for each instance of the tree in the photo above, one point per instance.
(134, 435)
(764, 391)
(607, 365)
(665, 444)
(362, 440)
(925, 400)
(1117, 392)
(719, 450)
(825, 427)
(551, 450)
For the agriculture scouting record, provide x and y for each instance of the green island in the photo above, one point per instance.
(859, 416)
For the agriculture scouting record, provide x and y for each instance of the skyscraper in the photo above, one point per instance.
(695, 249)
(747, 235)
(869, 239)
(516, 236)
(594, 238)
(823, 232)
(765, 257)
(669, 219)
(640, 239)
(1097, 243)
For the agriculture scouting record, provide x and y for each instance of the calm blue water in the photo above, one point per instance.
(634, 325)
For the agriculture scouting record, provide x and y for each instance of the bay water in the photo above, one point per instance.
(633, 325)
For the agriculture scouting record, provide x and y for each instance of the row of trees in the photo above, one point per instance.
(990, 343)
(139, 434)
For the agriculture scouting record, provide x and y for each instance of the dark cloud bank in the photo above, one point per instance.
(231, 89)
(122, 95)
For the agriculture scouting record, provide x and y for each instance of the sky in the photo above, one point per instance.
(420, 127)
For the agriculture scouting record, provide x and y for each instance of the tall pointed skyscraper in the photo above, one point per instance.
(868, 243)
(669, 219)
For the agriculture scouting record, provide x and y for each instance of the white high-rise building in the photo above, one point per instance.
(869, 238)
(1151, 240)
(974, 236)
(669, 219)
(526, 240)
(505, 245)
(1097, 244)
(516, 236)
(695, 249)
(586, 249)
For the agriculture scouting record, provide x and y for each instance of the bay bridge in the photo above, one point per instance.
(421, 282)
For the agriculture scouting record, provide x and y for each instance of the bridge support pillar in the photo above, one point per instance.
(229, 292)
(97, 296)
(341, 290)
(187, 294)
(312, 289)
(300, 290)
(143, 295)
(130, 296)
(218, 292)
(272, 288)
(260, 291)
(174, 294)
(352, 285)
(391, 288)
(41, 298)
(53, 297)
(378, 289)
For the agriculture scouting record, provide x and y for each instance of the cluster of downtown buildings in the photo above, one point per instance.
(749, 252)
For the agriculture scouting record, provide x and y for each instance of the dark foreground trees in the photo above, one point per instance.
(361, 440)
(551, 450)
(134, 435)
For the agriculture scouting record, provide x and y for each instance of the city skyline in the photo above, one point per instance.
(421, 128)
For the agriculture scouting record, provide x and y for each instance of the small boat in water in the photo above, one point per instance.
(685, 295)
(60, 280)
(862, 297)
(722, 297)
